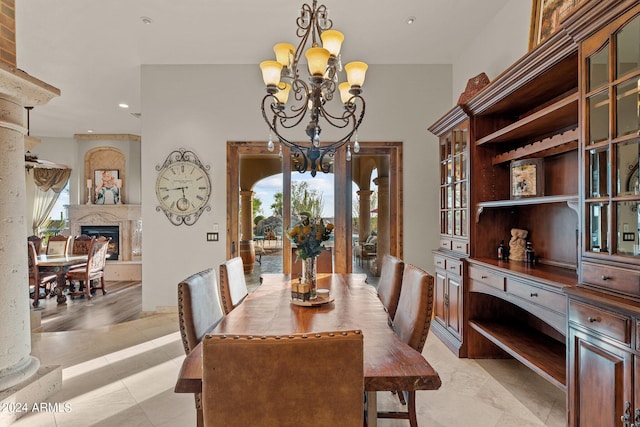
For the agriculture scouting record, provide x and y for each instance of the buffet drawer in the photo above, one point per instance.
(539, 296)
(446, 244)
(440, 262)
(612, 278)
(459, 246)
(454, 267)
(487, 277)
(616, 326)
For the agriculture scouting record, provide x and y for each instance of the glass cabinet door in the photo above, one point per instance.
(453, 183)
(612, 146)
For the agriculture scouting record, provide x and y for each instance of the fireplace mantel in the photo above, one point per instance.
(127, 217)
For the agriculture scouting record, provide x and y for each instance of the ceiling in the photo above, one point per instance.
(92, 50)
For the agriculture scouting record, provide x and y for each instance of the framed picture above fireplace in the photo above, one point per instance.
(107, 188)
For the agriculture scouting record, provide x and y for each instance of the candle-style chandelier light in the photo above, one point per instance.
(289, 97)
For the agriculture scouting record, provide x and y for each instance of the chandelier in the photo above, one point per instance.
(290, 99)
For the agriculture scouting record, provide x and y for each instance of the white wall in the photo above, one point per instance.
(504, 40)
(201, 107)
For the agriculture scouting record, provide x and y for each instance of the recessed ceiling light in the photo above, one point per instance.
(146, 20)
(123, 105)
(89, 130)
(411, 20)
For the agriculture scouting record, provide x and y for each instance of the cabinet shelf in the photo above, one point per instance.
(570, 199)
(537, 351)
(562, 114)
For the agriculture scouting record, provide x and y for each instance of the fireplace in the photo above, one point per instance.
(112, 231)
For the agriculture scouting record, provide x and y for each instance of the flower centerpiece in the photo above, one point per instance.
(308, 236)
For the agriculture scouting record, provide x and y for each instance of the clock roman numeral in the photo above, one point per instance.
(199, 197)
(165, 197)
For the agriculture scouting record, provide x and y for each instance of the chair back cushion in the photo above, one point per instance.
(390, 283)
(233, 286)
(57, 245)
(81, 244)
(37, 242)
(283, 381)
(413, 316)
(199, 308)
(97, 255)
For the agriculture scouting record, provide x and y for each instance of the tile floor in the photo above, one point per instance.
(123, 375)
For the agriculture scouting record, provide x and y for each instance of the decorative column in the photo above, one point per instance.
(17, 90)
(364, 208)
(246, 210)
(383, 246)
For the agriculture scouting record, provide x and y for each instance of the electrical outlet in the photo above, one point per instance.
(212, 237)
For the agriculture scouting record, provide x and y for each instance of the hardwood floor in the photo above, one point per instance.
(122, 303)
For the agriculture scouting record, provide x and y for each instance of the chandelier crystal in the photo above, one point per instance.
(292, 100)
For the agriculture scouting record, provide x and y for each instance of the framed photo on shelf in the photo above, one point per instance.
(546, 16)
(527, 178)
(107, 190)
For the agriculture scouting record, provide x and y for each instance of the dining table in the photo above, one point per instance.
(59, 265)
(389, 363)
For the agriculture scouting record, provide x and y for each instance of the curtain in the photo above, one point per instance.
(49, 184)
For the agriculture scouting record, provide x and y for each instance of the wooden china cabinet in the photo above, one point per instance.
(454, 137)
(604, 310)
(552, 148)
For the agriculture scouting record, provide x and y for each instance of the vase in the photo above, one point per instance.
(309, 270)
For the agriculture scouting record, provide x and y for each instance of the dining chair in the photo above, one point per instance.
(57, 245)
(233, 286)
(199, 311)
(390, 283)
(81, 244)
(37, 279)
(92, 271)
(37, 242)
(314, 379)
(411, 323)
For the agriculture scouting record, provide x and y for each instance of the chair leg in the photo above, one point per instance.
(411, 400)
(87, 289)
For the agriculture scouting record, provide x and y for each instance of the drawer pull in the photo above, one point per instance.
(484, 277)
(606, 278)
(534, 294)
(593, 319)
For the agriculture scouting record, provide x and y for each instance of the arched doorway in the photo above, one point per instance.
(248, 162)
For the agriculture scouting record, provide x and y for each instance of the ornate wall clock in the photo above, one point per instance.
(183, 187)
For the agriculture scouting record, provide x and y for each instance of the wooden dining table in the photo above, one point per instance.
(389, 363)
(60, 265)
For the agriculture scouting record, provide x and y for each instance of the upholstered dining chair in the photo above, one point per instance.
(92, 271)
(233, 286)
(390, 283)
(285, 381)
(199, 311)
(36, 279)
(412, 323)
(81, 244)
(57, 245)
(37, 242)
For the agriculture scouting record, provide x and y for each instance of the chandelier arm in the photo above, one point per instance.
(349, 113)
(312, 97)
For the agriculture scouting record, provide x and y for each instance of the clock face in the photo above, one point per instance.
(183, 189)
